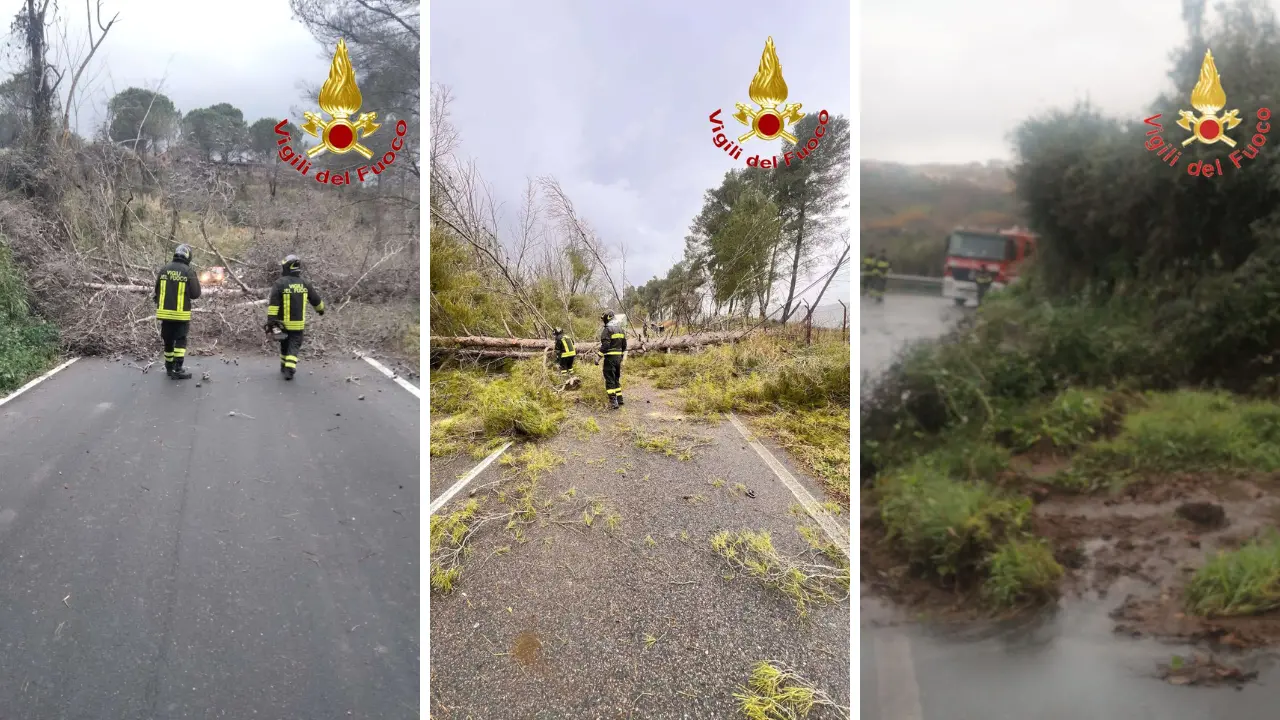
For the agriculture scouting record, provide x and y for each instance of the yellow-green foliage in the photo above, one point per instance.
(521, 404)
(754, 553)
(776, 693)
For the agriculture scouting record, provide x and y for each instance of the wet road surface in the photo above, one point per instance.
(900, 319)
(1066, 664)
(161, 557)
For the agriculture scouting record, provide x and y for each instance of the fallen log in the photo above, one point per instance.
(678, 342)
(121, 287)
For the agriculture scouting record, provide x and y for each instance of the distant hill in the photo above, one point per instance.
(908, 210)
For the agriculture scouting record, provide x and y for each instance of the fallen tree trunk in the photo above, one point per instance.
(677, 342)
(495, 347)
(216, 290)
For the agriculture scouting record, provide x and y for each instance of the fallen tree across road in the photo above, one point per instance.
(497, 347)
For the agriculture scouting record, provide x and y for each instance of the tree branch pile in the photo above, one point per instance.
(497, 347)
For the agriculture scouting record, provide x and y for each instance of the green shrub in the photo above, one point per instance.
(1022, 570)
(1241, 582)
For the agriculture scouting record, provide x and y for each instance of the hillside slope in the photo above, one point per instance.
(909, 209)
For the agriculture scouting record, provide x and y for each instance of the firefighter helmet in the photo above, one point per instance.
(182, 253)
(606, 316)
(291, 265)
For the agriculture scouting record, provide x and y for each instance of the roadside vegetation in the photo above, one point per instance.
(1142, 343)
(28, 344)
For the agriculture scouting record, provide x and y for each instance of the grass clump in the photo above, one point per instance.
(1191, 430)
(1241, 582)
(1022, 570)
(943, 525)
(805, 583)
(481, 410)
(775, 692)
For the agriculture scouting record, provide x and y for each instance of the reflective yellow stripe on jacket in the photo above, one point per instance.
(568, 349)
(616, 336)
(180, 312)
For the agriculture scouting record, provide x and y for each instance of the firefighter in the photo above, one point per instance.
(287, 309)
(881, 273)
(176, 286)
(868, 272)
(613, 343)
(983, 278)
(564, 353)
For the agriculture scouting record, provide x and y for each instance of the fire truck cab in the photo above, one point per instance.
(969, 251)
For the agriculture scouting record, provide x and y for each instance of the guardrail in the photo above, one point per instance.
(922, 284)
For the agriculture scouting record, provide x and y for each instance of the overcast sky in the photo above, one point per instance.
(612, 99)
(946, 81)
(249, 53)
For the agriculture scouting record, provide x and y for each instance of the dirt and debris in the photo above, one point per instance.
(1202, 669)
(1141, 546)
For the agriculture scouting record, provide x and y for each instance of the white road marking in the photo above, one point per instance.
(897, 691)
(440, 501)
(824, 519)
(38, 380)
(387, 371)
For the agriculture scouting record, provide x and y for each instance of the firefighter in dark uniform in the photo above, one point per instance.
(613, 343)
(176, 286)
(868, 272)
(287, 310)
(565, 353)
(983, 278)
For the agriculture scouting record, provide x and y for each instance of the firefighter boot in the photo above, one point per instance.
(168, 368)
(288, 373)
(619, 396)
(178, 373)
(613, 402)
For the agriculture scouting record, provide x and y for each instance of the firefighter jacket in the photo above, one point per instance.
(613, 341)
(882, 267)
(564, 347)
(288, 302)
(176, 286)
(869, 265)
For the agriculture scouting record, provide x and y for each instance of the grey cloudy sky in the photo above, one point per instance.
(612, 99)
(249, 53)
(946, 81)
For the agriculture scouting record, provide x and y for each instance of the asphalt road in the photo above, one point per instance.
(161, 557)
(643, 621)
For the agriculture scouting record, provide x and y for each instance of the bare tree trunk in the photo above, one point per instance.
(795, 267)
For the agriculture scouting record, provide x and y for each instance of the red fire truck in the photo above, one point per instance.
(969, 251)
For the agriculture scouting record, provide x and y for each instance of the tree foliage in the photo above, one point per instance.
(218, 131)
(141, 119)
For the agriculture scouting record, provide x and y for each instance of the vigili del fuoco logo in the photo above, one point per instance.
(770, 118)
(340, 99)
(1209, 128)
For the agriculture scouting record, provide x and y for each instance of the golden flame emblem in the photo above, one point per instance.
(768, 90)
(340, 97)
(1208, 97)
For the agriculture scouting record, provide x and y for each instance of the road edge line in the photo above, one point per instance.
(448, 494)
(810, 504)
(387, 371)
(38, 380)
